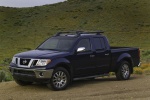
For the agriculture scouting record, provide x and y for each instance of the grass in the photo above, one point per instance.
(125, 23)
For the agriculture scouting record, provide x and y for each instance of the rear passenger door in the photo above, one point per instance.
(102, 55)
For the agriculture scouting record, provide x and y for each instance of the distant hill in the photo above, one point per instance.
(125, 22)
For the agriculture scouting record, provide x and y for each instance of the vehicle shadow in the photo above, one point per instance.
(80, 83)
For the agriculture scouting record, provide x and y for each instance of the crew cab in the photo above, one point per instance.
(69, 56)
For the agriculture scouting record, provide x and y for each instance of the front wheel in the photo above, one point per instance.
(124, 71)
(60, 79)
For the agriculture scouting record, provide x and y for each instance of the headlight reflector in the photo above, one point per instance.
(43, 62)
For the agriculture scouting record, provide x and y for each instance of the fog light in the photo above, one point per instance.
(41, 74)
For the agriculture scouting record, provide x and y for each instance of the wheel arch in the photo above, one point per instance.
(125, 57)
(67, 66)
(61, 62)
(129, 60)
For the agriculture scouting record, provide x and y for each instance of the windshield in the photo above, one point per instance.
(56, 44)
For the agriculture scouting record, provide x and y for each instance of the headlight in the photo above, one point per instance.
(43, 62)
(14, 60)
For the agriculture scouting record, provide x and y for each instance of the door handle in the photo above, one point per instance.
(92, 56)
(107, 54)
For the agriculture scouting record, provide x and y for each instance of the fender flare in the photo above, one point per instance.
(124, 57)
(61, 62)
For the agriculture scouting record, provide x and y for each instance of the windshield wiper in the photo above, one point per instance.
(41, 49)
(47, 49)
(53, 49)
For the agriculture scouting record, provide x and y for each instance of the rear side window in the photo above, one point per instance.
(99, 43)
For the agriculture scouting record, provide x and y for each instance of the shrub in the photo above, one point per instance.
(2, 75)
(145, 66)
(145, 53)
(99, 7)
(112, 73)
(147, 70)
(5, 74)
(138, 70)
(7, 61)
(8, 77)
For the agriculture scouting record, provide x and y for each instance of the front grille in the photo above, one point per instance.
(24, 72)
(24, 62)
(16, 60)
(34, 62)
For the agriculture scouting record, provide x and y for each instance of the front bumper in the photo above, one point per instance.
(32, 73)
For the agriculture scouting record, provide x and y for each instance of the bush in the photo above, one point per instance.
(145, 66)
(6, 61)
(138, 70)
(112, 73)
(147, 70)
(2, 75)
(5, 74)
(145, 53)
(8, 77)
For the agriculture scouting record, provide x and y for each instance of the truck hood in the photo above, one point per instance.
(43, 54)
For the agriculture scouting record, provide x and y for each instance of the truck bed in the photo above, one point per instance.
(118, 52)
(122, 48)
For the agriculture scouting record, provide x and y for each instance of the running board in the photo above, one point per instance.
(80, 78)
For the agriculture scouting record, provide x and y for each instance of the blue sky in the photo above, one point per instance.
(27, 3)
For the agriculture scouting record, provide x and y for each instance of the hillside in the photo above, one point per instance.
(125, 22)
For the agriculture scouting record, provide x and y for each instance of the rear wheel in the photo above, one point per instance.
(60, 79)
(22, 83)
(124, 71)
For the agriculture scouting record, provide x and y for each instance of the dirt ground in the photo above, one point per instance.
(138, 87)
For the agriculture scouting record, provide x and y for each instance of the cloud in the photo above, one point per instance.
(27, 3)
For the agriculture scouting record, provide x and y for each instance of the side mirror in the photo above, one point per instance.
(81, 49)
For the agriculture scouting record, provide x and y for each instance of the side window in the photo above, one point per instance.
(99, 43)
(84, 43)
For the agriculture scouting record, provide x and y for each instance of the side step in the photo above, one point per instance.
(80, 78)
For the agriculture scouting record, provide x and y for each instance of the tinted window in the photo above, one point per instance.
(57, 44)
(84, 43)
(99, 43)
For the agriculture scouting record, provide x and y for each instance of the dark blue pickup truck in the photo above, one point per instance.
(69, 56)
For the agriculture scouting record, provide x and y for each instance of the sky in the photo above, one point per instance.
(27, 3)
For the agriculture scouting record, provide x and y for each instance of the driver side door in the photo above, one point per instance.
(83, 65)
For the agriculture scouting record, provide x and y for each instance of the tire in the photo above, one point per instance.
(124, 71)
(60, 79)
(22, 83)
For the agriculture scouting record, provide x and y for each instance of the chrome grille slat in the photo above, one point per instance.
(30, 62)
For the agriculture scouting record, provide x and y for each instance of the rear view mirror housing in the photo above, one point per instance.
(80, 49)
